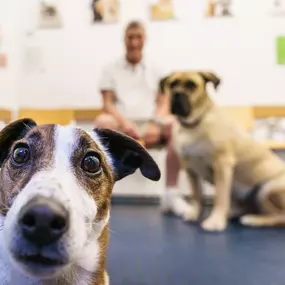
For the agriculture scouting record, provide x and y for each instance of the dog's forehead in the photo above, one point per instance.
(184, 76)
(70, 138)
(65, 139)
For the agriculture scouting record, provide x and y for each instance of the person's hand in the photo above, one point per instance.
(130, 129)
(152, 135)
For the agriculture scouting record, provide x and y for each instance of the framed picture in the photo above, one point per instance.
(219, 8)
(3, 60)
(161, 10)
(105, 11)
(278, 7)
(280, 50)
(1, 36)
(49, 16)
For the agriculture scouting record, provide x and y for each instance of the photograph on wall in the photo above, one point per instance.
(49, 16)
(219, 8)
(106, 11)
(33, 60)
(3, 60)
(280, 50)
(161, 10)
(277, 8)
(1, 37)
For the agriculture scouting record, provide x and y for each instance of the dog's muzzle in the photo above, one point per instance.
(180, 105)
(43, 221)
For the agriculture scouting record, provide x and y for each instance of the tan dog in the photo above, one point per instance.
(249, 179)
(55, 188)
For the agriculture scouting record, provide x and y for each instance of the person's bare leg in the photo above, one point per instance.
(172, 167)
(106, 121)
(171, 200)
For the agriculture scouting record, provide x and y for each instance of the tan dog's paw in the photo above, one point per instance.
(215, 223)
(192, 214)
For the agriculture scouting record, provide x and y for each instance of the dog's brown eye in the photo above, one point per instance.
(190, 84)
(174, 83)
(21, 154)
(91, 163)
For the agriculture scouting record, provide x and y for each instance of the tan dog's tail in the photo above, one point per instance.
(263, 221)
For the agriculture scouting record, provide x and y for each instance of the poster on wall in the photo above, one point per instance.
(280, 50)
(33, 60)
(219, 8)
(3, 60)
(105, 11)
(277, 8)
(3, 56)
(161, 10)
(49, 16)
(1, 37)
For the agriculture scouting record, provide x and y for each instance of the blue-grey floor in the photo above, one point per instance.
(147, 248)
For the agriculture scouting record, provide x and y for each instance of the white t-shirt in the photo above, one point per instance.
(135, 87)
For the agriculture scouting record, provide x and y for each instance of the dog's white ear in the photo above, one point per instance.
(128, 155)
(12, 132)
(211, 77)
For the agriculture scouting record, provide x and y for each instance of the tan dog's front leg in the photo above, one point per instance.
(196, 185)
(223, 172)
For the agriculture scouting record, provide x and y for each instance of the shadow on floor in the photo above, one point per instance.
(147, 248)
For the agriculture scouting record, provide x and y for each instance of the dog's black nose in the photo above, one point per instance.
(43, 221)
(180, 104)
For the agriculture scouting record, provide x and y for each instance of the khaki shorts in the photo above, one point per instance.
(108, 121)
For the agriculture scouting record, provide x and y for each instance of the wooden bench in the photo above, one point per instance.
(86, 115)
(5, 116)
(261, 112)
(48, 116)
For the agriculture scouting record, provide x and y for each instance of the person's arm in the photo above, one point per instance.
(110, 107)
(162, 109)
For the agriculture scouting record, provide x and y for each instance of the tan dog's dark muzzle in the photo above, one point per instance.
(180, 105)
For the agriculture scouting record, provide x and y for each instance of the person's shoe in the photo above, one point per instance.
(172, 202)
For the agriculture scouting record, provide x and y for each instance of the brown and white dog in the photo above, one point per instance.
(248, 178)
(55, 188)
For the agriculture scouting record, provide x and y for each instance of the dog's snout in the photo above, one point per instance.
(43, 221)
(177, 95)
(179, 104)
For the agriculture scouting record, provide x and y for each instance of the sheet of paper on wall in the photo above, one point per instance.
(33, 60)
(280, 50)
(105, 10)
(1, 37)
(277, 8)
(219, 8)
(162, 10)
(49, 16)
(3, 60)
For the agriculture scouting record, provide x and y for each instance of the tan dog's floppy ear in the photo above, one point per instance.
(12, 132)
(211, 77)
(128, 155)
(162, 84)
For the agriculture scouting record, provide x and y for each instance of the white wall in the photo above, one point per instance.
(9, 76)
(241, 50)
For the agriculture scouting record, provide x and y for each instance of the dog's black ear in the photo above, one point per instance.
(12, 132)
(128, 155)
(211, 77)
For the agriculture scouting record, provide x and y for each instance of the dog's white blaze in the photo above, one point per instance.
(97, 140)
(65, 143)
(84, 205)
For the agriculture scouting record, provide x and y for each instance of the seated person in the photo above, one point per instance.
(133, 106)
